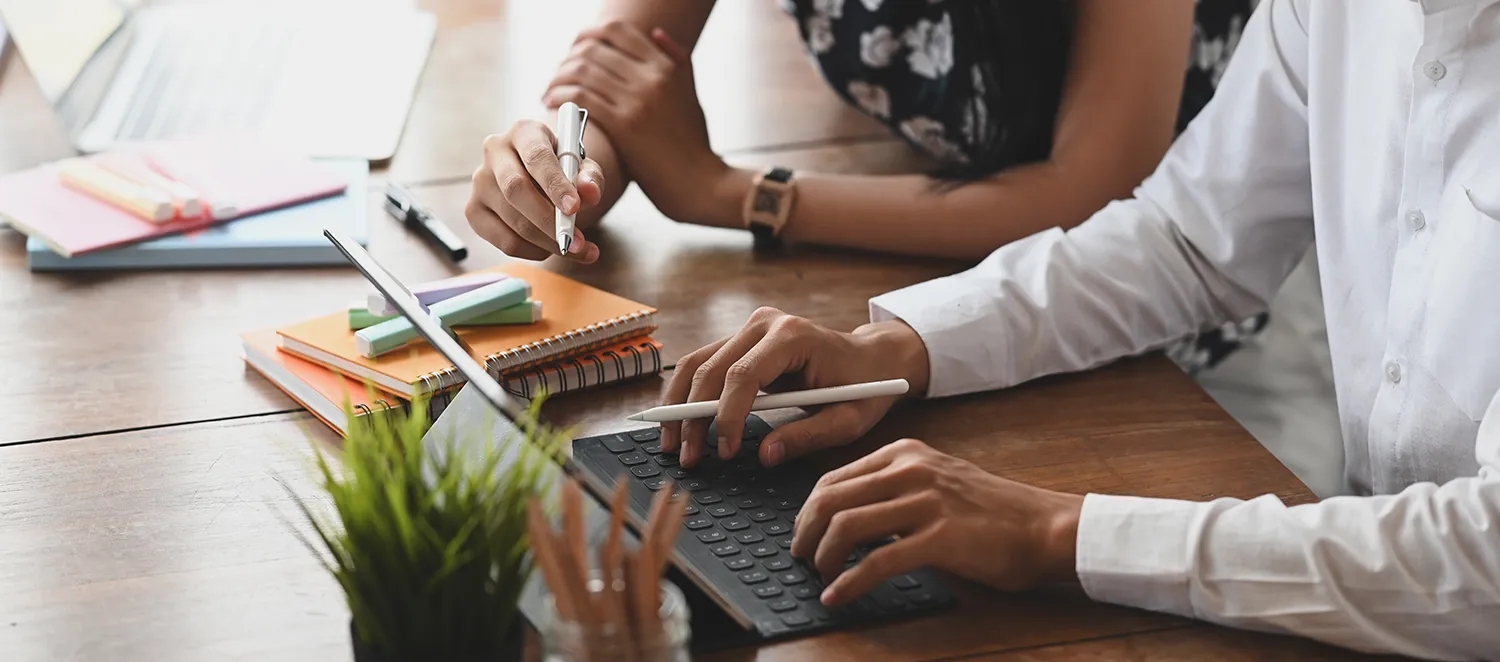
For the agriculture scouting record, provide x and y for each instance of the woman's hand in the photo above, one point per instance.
(640, 88)
(519, 188)
(946, 513)
(792, 353)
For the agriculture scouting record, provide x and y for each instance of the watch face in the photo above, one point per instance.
(766, 201)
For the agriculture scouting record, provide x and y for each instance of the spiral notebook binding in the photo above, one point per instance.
(436, 404)
(572, 374)
(588, 338)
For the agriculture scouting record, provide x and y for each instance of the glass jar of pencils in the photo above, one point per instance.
(616, 633)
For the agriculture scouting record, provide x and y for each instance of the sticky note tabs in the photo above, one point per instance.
(435, 291)
(393, 333)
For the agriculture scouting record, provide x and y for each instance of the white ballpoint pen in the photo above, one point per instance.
(808, 398)
(570, 124)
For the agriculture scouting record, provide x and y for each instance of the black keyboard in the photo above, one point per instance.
(738, 532)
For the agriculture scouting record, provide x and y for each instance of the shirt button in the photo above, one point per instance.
(1417, 220)
(1393, 372)
(1434, 70)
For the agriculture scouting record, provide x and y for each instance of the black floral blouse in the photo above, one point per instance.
(897, 61)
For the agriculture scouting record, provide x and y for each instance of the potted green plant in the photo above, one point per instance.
(429, 540)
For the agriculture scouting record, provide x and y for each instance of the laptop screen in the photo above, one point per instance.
(56, 38)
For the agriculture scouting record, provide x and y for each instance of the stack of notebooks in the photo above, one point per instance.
(185, 204)
(585, 337)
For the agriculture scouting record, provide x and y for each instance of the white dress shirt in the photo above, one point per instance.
(1373, 125)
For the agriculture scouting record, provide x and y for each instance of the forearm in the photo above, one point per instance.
(916, 215)
(683, 20)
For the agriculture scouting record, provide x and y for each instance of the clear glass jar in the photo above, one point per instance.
(569, 641)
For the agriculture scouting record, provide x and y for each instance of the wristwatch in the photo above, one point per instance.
(769, 204)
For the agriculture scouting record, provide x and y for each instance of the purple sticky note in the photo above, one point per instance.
(435, 291)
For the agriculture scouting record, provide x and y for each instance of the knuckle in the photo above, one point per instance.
(480, 176)
(702, 376)
(513, 186)
(616, 27)
(495, 142)
(789, 325)
(537, 152)
(740, 372)
(839, 524)
(907, 445)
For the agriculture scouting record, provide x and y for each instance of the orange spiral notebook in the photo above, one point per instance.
(323, 392)
(578, 319)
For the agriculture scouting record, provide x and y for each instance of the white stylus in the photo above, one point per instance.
(570, 123)
(808, 398)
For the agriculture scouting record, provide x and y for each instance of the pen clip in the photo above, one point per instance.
(570, 144)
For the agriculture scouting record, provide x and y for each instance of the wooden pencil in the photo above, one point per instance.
(541, 546)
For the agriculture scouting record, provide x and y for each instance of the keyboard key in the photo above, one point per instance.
(905, 582)
(645, 471)
(784, 604)
(651, 449)
(656, 483)
(791, 578)
(712, 536)
(920, 597)
(739, 563)
(707, 498)
(817, 611)
(768, 591)
(771, 492)
(889, 602)
(736, 524)
(725, 549)
(678, 473)
(632, 459)
(784, 543)
(736, 490)
(690, 509)
(762, 551)
(795, 619)
(647, 434)
(776, 529)
(617, 443)
(667, 460)
(762, 516)
(721, 510)
(693, 485)
(786, 504)
(747, 503)
(754, 577)
(695, 523)
(805, 593)
(749, 537)
(777, 565)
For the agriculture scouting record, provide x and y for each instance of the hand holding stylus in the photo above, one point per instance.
(780, 352)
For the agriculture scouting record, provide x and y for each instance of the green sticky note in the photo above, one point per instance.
(459, 310)
(525, 312)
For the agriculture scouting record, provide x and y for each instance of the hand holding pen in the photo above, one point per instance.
(521, 189)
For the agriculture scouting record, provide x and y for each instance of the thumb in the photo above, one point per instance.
(834, 425)
(590, 183)
(673, 49)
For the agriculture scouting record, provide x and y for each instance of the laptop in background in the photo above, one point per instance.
(333, 78)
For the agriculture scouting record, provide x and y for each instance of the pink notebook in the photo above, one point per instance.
(253, 179)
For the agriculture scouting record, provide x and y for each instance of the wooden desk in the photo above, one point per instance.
(174, 543)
